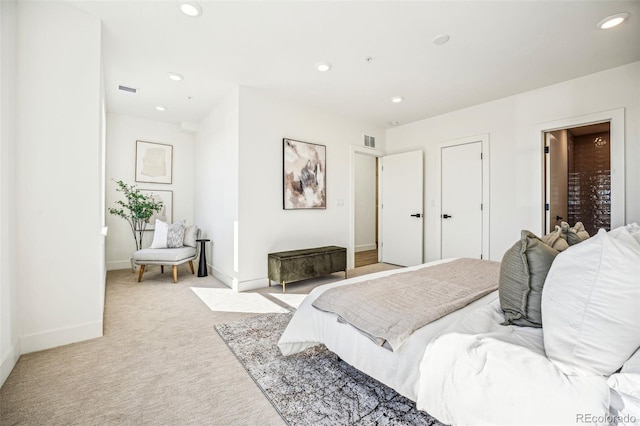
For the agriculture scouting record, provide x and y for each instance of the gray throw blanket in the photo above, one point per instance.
(390, 308)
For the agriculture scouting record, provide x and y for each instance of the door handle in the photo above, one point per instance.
(558, 217)
(446, 216)
(416, 215)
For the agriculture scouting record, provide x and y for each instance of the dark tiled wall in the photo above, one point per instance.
(589, 194)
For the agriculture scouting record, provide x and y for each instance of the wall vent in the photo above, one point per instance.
(127, 90)
(369, 141)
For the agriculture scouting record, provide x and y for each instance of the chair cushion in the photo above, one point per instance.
(164, 255)
(190, 236)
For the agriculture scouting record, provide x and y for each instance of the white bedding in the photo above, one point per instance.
(466, 368)
(398, 370)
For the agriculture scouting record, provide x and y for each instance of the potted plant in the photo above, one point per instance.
(136, 209)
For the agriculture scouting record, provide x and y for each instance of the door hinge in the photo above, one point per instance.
(546, 149)
(481, 156)
(546, 207)
(480, 257)
(481, 206)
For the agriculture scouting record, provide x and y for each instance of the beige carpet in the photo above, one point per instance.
(160, 362)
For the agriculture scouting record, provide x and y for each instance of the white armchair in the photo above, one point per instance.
(170, 256)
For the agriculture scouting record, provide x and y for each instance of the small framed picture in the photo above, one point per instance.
(166, 213)
(154, 162)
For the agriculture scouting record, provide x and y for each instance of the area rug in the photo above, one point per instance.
(314, 387)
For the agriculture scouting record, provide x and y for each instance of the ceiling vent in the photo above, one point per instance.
(127, 90)
(369, 141)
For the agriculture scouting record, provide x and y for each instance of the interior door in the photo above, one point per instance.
(557, 178)
(461, 201)
(401, 207)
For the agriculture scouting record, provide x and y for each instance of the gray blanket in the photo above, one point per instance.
(390, 308)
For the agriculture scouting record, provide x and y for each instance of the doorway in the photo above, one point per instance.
(578, 177)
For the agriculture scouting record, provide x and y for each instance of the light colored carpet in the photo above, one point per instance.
(160, 362)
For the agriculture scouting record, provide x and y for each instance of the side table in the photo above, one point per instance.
(202, 266)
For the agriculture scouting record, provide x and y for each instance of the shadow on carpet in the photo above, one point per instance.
(314, 387)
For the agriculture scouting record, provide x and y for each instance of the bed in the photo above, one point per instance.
(396, 369)
(469, 368)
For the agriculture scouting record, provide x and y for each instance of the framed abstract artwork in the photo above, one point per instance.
(304, 175)
(154, 162)
(166, 214)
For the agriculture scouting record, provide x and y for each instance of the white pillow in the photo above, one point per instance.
(634, 230)
(591, 304)
(160, 235)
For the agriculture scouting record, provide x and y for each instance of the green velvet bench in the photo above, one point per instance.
(297, 265)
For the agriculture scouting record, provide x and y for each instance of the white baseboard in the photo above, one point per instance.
(8, 361)
(365, 247)
(121, 264)
(61, 336)
(226, 279)
(253, 284)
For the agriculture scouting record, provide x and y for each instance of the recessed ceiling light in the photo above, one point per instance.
(612, 21)
(323, 66)
(441, 39)
(161, 108)
(191, 9)
(397, 99)
(175, 76)
(394, 123)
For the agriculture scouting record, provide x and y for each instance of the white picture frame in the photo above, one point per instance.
(154, 162)
(166, 214)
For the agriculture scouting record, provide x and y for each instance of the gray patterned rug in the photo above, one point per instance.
(314, 387)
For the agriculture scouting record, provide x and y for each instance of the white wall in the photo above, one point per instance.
(59, 257)
(122, 133)
(264, 226)
(365, 202)
(9, 325)
(515, 158)
(216, 186)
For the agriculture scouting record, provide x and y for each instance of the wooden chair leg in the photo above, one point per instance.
(191, 266)
(140, 273)
(175, 273)
(162, 269)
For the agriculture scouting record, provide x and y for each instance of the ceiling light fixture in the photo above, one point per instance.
(323, 66)
(175, 76)
(612, 21)
(394, 123)
(397, 99)
(161, 108)
(441, 39)
(191, 9)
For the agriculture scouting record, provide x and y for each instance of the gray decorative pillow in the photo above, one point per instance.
(175, 235)
(190, 235)
(555, 240)
(574, 235)
(522, 273)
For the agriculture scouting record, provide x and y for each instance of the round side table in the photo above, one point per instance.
(202, 266)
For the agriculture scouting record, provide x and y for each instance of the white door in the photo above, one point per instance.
(557, 178)
(461, 192)
(402, 230)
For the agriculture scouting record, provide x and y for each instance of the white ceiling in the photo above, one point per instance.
(496, 49)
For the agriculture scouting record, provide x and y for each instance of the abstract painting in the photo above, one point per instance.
(166, 213)
(304, 169)
(153, 162)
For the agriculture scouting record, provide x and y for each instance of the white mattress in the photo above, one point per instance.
(398, 370)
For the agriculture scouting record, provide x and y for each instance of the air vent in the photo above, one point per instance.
(369, 141)
(127, 90)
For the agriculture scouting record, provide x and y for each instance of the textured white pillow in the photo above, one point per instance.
(160, 235)
(634, 230)
(591, 304)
